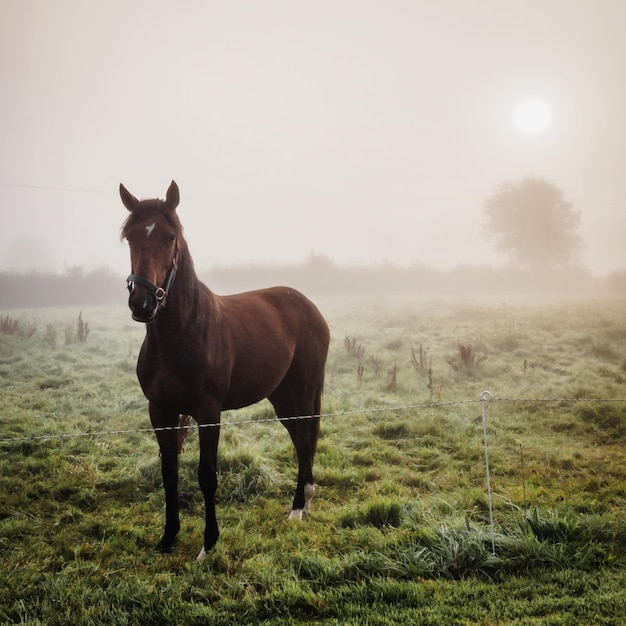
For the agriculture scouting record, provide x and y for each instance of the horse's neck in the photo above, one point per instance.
(189, 303)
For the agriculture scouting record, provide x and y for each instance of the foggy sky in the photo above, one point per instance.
(364, 131)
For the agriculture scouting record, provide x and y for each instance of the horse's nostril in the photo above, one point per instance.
(142, 306)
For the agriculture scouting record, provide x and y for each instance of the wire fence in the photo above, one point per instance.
(485, 398)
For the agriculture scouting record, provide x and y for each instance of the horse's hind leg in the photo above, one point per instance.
(304, 431)
(207, 477)
(305, 442)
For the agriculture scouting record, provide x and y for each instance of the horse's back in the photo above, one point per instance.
(281, 309)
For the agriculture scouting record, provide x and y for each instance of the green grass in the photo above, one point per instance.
(399, 531)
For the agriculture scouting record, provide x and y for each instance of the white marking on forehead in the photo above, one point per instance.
(150, 228)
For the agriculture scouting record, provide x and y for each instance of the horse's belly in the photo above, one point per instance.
(239, 400)
(249, 387)
(238, 397)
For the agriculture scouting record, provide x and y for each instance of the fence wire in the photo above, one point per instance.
(343, 414)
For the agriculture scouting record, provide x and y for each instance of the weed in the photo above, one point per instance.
(77, 333)
(14, 326)
(377, 365)
(360, 371)
(392, 378)
(353, 348)
(419, 358)
(466, 358)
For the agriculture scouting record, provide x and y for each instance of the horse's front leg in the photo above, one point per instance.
(209, 432)
(168, 444)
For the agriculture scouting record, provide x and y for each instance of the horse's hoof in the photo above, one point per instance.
(165, 547)
(296, 514)
(202, 554)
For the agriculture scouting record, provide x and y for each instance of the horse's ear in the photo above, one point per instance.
(172, 197)
(129, 201)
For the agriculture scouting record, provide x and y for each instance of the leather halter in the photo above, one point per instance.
(159, 293)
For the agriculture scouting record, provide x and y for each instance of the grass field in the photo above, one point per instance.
(399, 532)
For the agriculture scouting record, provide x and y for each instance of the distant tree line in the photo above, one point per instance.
(530, 222)
(74, 287)
(317, 276)
(320, 275)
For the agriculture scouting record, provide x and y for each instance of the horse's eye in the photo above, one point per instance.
(172, 238)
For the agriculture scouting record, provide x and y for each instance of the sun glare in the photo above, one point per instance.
(532, 116)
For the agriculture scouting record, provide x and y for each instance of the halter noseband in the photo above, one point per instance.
(160, 293)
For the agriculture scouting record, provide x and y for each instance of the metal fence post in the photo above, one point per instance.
(487, 396)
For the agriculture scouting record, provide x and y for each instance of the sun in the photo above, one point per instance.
(532, 116)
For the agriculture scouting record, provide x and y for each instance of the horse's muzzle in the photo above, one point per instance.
(143, 306)
(145, 301)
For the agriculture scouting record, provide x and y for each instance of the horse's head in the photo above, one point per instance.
(153, 233)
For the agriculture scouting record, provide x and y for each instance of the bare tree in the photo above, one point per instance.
(532, 222)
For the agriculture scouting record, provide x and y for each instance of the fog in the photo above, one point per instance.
(367, 132)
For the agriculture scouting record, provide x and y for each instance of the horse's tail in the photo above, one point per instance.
(317, 403)
(183, 429)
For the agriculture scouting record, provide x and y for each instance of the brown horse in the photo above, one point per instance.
(205, 353)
